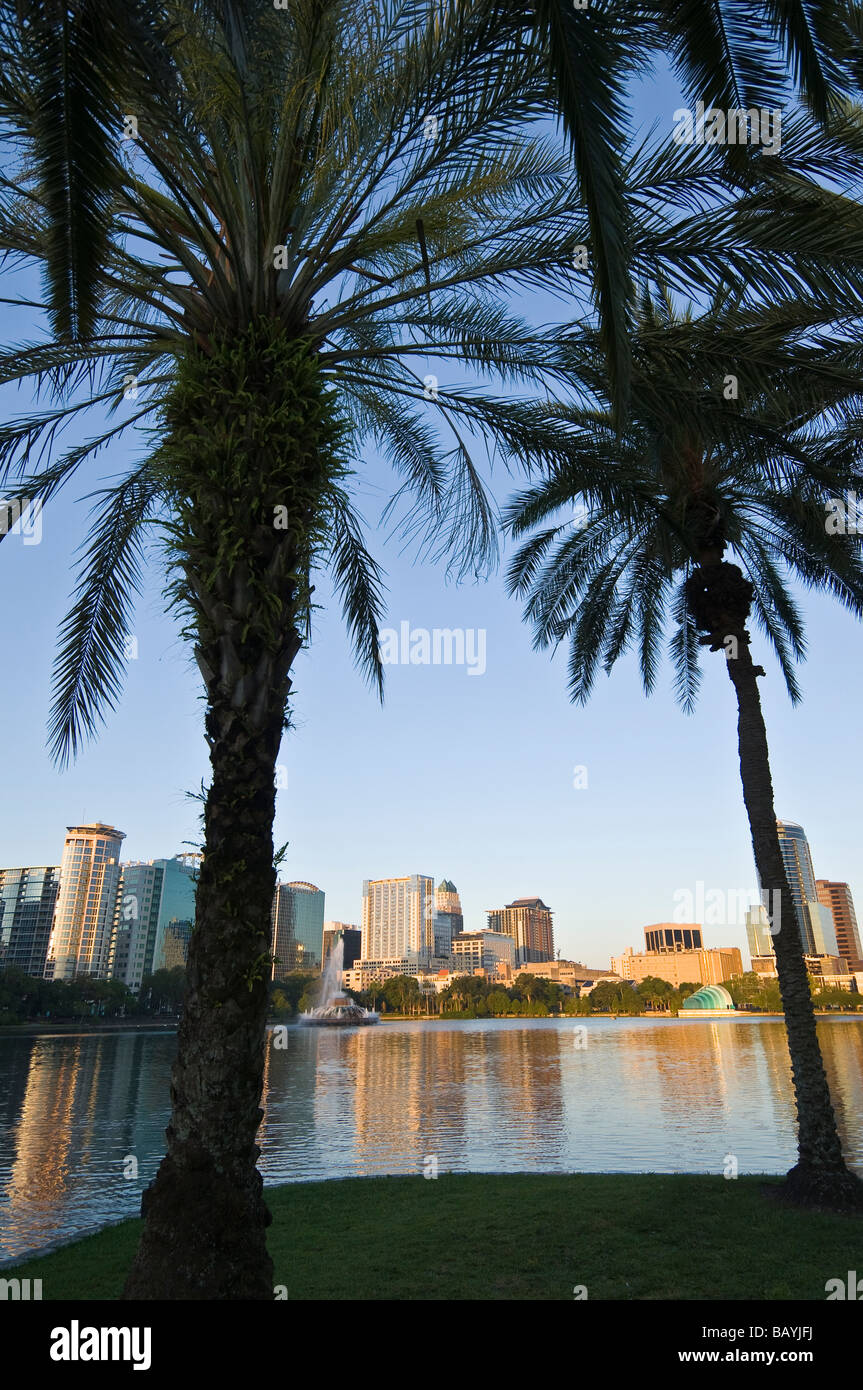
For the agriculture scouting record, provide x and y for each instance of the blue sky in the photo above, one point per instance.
(468, 777)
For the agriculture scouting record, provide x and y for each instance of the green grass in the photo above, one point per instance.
(516, 1236)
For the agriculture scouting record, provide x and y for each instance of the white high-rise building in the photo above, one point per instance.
(758, 933)
(398, 918)
(84, 916)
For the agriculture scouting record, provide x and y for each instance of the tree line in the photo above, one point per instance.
(29, 998)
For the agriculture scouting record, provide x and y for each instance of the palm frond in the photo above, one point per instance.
(89, 667)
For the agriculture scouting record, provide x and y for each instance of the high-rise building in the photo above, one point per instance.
(449, 920)
(814, 920)
(80, 942)
(837, 897)
(528, 922)
(298, 927)
(673, 936)
(758, 934)
(398, 918)
(486, 950)
(136, 913)
(349, 934)
(27, 901)
(153, 919)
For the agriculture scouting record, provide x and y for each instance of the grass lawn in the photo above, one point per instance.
(516, 1236)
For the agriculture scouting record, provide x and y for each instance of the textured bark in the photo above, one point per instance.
(205, 1216)
(249, 440)
(720, 599)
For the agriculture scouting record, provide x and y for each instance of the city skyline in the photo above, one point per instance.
(443, 891)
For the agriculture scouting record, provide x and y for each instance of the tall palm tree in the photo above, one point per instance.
(734, 448)
(323, 209)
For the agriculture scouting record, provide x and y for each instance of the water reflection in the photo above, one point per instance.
(520, 1095)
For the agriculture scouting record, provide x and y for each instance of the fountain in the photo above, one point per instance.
(337, 1009)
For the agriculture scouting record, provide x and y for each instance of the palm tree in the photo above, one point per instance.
(323, 209)
(72, 57)
(736, 55)
(734, 448)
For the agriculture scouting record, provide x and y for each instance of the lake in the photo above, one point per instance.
(78, 1113)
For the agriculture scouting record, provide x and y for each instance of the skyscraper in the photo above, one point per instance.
(349, 934)
(83, 926)
(27, 901)
(398, 918)
(758, 933)
(814, 920)
(837, 897)
(528, 922)
(153, 919)
(449, 920)
(298, 927)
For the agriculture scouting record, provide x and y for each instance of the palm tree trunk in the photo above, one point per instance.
(205, 1217)
(249, 459)
(720, 600)
(820, 1177)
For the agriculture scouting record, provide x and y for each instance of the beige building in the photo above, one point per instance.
(484, 949)
(829, 971)
(398, 918)
(368, 972)
(528, 922)
(83, 925)
(707, 966)
(837, 897)
(569, 973)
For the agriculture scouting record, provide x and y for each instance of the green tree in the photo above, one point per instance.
(498, 1003)
(610, 996)
(72, 58)
(528, 987)
(164, 990)
(283, 242)
(702, 471)
(291, 987)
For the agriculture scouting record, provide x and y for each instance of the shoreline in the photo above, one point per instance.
(47, 1028)
(114, 1025)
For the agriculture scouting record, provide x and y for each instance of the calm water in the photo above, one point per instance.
(665, 1096)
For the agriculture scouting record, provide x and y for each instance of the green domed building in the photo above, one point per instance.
(709, 1000)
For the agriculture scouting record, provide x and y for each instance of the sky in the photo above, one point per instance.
(471, 777)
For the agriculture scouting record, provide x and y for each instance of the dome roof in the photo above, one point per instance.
(709, 997)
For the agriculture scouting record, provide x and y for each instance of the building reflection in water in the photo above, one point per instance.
(84, 1104)
(517, 1095)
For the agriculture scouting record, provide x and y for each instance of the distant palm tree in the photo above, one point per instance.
(735, 447)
